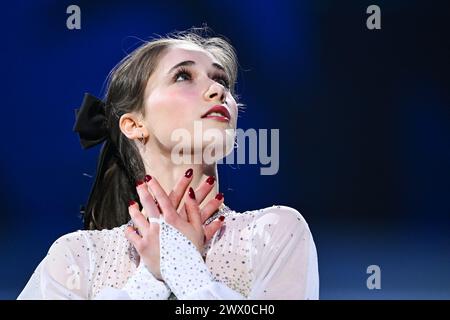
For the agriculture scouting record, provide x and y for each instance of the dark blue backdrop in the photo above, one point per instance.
(364, 123)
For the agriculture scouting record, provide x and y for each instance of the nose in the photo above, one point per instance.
(215, 92)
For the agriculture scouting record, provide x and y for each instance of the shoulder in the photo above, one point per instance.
(278, 215)
(66, 242)
(83, 241)
(285, 215)
(275, 220)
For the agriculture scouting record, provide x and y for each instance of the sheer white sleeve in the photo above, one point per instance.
(67, 272)
(184, 270)
(141, 286)
(62, 274)
(284, 257)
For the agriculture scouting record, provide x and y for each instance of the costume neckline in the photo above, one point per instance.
(224, 210)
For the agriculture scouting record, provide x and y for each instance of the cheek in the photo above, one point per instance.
(174, 102)
(170, 110)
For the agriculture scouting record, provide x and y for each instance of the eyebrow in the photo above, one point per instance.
(190, 63)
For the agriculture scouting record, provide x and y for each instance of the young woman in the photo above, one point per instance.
(179, 243)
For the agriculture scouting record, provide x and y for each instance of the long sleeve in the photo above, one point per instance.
(61, 275)
(141, 286)
(284, 257)
(184, 270)
(78, 260)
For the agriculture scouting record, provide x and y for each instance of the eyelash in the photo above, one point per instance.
(183, 71)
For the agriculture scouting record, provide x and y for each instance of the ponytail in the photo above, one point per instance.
(113, 186)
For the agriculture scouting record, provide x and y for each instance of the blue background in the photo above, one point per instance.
(364, 123)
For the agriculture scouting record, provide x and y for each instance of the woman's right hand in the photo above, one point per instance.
(146, 240)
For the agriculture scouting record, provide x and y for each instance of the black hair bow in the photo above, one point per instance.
(91, 121)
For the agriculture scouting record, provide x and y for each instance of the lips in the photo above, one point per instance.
(218, 112)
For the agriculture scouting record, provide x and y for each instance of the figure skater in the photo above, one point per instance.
(157, 227)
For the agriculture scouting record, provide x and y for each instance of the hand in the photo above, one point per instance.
(189, 220)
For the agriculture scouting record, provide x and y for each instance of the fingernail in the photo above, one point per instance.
(131, 202)
(139, 182)
(210, 180)
(191, 193)
(188, 173)
(221, 218)
(147, 178)
(204, 238)
(219, 196)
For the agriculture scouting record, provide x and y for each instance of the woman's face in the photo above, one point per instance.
(187, 82)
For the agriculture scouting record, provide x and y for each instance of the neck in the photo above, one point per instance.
(159, 164)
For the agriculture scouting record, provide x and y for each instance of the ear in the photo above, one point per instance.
(132, 126)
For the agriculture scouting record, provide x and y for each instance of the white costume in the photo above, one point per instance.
(260, 254)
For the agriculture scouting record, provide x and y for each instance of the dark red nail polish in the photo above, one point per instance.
(221, 218)
(131, 202)
(210, 180)
(157, 204)
(139, 182)
(188, 173)
(191, 193)
(147, 178)
(219, 196)
(204, 238)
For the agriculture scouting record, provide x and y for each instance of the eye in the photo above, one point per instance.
(182, 75)
(223, 80)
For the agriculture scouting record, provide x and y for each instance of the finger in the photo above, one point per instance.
(200, 193)
(157, 205)
(133, 237)
(178, 191)
(213, 227)
(211, 207)
(204, 188)
(138, 218)
(147, 200)
(170, 215)
(192, 209)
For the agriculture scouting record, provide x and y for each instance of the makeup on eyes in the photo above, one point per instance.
(219, 77)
